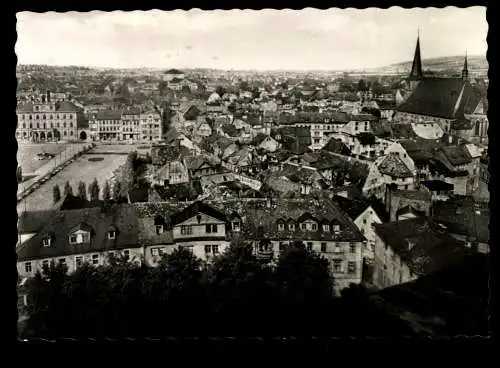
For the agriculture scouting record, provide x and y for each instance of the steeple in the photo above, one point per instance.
(465, 70)
(416, 68)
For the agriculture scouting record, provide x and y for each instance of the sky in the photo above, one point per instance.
(309, 39)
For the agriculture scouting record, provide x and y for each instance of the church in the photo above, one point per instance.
(458, 105)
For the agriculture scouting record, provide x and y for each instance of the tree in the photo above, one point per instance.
(68, 189)
(244, 86)
(94, 190)
(305, 284)
(175, 288)
(117, 191)
(46, 301)
(106, 193)
(56, 193)
(220, 90)
(82, 190)
(362, 85)
(241, 284)
(162, 87)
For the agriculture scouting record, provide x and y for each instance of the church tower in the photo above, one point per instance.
(465, 70)
(416, 74)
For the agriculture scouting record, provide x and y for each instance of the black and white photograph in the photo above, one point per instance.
(253, 173)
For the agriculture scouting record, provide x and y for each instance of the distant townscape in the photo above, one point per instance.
(362, 185)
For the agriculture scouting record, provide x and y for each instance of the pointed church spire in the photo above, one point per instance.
(465, 70)
(416, 68)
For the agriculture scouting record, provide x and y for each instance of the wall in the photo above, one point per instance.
(135, 254)
(334, 251)
(198, 228)
(389, 270)
(364, 223)
(398, 202)
(398, 149)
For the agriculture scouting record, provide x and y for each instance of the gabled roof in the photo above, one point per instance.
(33, 221)
(64, 222)
(437, 97)
(193, 210)
(456, 155)
(421, 244)
(394, 166)
(261, 221)
(352, 207)
(465, 217)
(336, 146)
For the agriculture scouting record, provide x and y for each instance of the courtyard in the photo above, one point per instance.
(80, 170)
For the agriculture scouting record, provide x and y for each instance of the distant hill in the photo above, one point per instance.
(441, 64)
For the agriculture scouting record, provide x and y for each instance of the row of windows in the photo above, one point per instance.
(52, 116)
(309, 246)
(309, 226)
(25, 134)
(45, 126)
(79, 260)
(337, 266)
(209, 229)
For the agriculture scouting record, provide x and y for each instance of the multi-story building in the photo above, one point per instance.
(46, 119)
(406, 250)
(106, 125)
(125, 125)
(130, 125)
(144, 231)
(151, 125)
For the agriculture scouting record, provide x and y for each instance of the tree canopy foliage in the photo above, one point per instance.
(235, 295)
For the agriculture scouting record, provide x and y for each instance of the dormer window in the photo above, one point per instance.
(281, 226)
(111, 234)
(291, 226)
(336, 228)
(46, 242)
(236, 226)
(326, 227)
(73, 239)
(314, 226)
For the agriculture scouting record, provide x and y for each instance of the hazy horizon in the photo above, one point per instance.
(264, 40)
